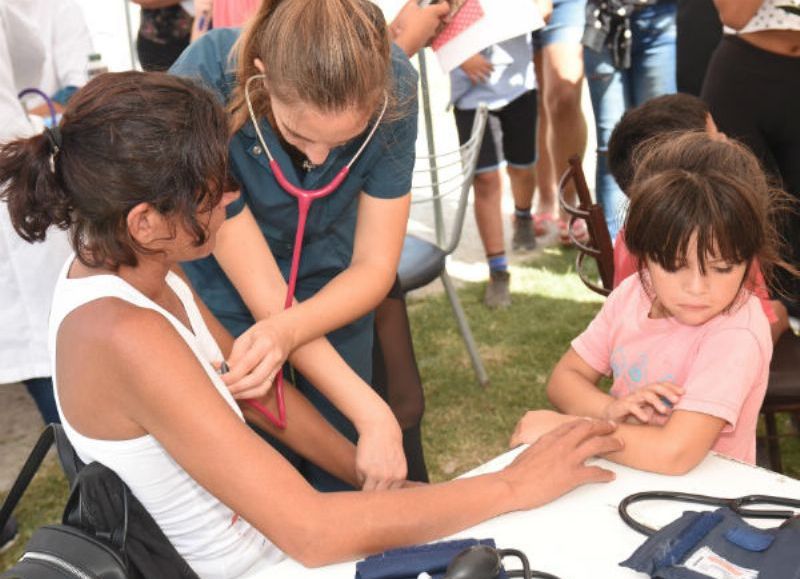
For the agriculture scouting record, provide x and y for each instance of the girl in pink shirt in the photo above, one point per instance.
(686, 342)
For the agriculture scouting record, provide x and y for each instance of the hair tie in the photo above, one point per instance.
(54, 137)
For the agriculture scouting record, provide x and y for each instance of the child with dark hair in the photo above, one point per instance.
(685, 341)
(658, 116)
(136, 171)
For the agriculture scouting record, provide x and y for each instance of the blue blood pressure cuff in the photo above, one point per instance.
(721, 545)
(410, 562)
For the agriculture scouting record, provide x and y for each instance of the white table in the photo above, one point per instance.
(580, 535)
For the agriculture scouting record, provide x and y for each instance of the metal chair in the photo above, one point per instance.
(422, 261)
(600, 247)
(783, 392)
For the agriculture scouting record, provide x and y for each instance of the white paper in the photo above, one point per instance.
(502, 19)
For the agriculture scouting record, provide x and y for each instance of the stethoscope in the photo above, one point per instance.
(50, 106)
(737, 505)
(304, 198)
(485, 562)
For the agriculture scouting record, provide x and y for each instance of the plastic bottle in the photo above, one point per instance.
(96, 65)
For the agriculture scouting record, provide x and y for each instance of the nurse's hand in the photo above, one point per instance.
(257, 357)
(380, 460)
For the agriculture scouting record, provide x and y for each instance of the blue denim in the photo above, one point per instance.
(652, 73)
(41, 390)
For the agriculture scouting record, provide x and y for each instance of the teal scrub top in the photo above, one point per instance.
(383, 170)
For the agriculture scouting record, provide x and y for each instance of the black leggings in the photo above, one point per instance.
(754, 96)
(396, 378)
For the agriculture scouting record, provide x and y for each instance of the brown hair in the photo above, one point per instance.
(663, 114)
(332, 54)
(688, 184)
(125, 138)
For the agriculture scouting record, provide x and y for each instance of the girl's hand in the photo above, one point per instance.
(535, 423)
(257, 357)
(477, 68)
(657, 397)
(380, 460)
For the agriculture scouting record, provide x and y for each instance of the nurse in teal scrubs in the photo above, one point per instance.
(328, 69)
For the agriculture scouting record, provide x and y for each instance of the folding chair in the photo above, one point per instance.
(422, 261)
(783, 392)
(599, 247)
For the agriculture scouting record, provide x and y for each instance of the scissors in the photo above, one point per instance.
(737, 505)
(304, 198)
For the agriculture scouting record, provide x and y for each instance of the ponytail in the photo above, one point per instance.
(30, 185)
(331, 54)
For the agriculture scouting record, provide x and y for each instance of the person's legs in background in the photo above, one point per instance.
(41, 390)
(613, 91)
(610, 99)
(395, 376)
(488, 188)
(558, 57)
(698, 33)
(518, 124)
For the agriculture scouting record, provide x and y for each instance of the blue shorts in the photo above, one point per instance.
(565, 26)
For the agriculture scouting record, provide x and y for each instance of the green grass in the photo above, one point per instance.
(464, 425)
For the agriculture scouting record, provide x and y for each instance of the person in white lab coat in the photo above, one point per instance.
(27, 271)
(61, 28)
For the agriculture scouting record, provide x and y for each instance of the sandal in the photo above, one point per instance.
(544, 223)
(579, 232)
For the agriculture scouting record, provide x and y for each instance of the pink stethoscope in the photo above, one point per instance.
(304, 198)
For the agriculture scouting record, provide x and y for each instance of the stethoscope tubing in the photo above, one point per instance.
(737, 505)
(50, 106)
(304, 199)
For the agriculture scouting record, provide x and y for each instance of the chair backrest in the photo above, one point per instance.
(441, 175)
(599, 246)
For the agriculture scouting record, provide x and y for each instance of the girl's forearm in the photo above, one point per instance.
(572, 393)
(308, 434)
(319, 362)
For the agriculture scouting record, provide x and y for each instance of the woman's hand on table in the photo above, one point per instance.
(380, 460)
(256, 358)
(556, 463)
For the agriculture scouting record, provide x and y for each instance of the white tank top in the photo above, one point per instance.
(212, 539)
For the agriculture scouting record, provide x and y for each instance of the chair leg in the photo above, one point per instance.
(463, 327)
(773, 442)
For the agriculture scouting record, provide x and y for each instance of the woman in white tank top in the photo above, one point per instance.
(135, 172)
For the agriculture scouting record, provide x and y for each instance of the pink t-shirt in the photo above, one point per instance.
(723, 365)
(233, 13)
(625, 265)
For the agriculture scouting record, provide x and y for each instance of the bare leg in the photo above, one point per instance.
(523, 182)
(488, 216)
(563, 82)
(546, 179)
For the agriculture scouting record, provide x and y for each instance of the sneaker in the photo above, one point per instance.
(524, 238)
(8, 534)
(498, 293)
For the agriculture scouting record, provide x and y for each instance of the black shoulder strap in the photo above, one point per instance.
(29, 469)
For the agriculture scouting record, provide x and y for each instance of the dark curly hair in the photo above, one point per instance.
(125, 138)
